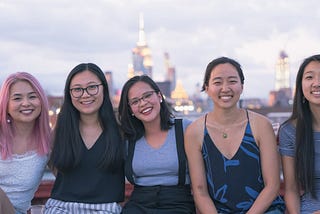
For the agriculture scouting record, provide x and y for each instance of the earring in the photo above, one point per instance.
(161, 101)
(8, 121)
(132, 114)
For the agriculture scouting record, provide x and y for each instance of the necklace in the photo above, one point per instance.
(224, 129)
(224, 135)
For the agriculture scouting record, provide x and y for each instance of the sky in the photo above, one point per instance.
(49, 38)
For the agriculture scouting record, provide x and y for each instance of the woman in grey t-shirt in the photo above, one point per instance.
(299, 139)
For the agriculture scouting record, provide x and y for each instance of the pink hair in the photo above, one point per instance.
(41, 131)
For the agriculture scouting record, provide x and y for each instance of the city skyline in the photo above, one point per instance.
(48, 39)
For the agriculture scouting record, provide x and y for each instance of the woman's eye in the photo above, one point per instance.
(146, 96)
(77, 89)
(16, 98)
(92, 87)
(134, 102)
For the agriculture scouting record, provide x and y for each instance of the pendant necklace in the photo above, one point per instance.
(224, 135)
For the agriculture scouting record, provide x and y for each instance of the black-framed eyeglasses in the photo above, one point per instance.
(145, 97)
(91, 90)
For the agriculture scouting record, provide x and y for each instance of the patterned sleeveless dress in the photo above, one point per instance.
(235, 183)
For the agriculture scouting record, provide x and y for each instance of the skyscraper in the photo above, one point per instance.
(171, 71)
(141, 54)
(282, 94)
(282, 72)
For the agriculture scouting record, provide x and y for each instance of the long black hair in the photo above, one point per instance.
(302, 116)
(66, 152)
(132, 127)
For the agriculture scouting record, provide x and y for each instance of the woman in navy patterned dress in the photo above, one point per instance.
(232, 152)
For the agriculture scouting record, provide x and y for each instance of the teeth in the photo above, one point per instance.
(26, 111)
(146, 110)
(316, 92)
(86, 102)
(225, 97)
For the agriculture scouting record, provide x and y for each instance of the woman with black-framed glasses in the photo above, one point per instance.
(155, 161)
(87, 152)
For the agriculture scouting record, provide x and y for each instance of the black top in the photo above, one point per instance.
(87, 183)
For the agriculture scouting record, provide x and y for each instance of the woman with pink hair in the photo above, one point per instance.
(24, 141)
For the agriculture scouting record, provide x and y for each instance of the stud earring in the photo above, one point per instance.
(132, 114)
(161, 101)
(8, 121)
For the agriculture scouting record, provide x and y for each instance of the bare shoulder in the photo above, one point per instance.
(261, 127)
(194, 131)
(257, 119)
(196, 125)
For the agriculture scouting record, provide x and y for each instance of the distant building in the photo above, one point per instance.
(282, 94)
(108, 75)
(180, 100)
(109, 78)
(282, 76)
(164, 88)
(174, 94)
(171, 71)
(251, 103)
(141, 54)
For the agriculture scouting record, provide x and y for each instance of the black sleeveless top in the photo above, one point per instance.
(87, 183)
(235, 183)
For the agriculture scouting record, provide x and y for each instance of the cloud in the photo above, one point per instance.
(48, 38)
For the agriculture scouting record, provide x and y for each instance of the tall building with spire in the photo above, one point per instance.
(282, 93)
(141, 54)
(282, 71)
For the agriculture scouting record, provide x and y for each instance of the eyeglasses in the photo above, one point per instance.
(145, 97)
(91, 90)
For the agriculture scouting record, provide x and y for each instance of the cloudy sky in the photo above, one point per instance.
(48, 38)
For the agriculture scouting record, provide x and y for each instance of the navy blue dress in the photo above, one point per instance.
(235, 183)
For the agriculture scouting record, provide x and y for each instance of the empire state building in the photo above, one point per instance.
(141, 54)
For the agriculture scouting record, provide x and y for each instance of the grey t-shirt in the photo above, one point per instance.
(157, 166)
(287, 147)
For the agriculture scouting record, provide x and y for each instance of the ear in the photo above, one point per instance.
(159, 95)
(206, 89)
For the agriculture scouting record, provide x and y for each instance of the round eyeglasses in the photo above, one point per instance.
(91, 90)
(145, 97)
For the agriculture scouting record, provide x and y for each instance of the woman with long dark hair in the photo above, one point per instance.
(155, 161)
(299, 139)
(87, 152)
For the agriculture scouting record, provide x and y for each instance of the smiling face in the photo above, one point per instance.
(224, 86)
(24, 105)
(144, 102)
(311, 83)
(87, 104)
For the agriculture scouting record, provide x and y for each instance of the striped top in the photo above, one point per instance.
(287, 139)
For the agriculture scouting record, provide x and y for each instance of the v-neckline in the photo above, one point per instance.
(236, 151)
(93, 145)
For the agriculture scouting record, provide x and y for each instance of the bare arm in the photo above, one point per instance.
(291, 196)
(193, 144)
(5, 204)
(270, 163)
